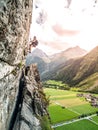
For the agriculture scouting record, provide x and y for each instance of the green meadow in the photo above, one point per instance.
(65, 106)
(59, 114)
(84, 109)
(95, 118)
(79, 125)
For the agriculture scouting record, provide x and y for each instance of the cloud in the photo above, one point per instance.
(66, 27)
(51, 47)
(61, 31)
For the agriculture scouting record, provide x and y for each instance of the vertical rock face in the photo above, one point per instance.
(30, 105)
(20, 97)
(15, 18)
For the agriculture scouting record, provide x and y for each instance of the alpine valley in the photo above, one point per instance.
(74, 66)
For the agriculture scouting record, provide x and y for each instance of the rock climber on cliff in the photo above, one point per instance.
(33, 43)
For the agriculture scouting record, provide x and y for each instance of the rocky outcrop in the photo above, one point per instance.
(16, 86)
(15, 18)
(30, 106)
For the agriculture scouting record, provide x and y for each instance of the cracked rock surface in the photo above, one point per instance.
(22, 101)
(15, 19)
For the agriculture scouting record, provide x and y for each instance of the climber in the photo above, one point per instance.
(33, 43)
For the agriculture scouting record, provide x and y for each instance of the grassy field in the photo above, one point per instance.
(80, 125)
(59, 114)
(71, 102)
(84, 109)
(57, 92)
(95, 118)
(74, 106)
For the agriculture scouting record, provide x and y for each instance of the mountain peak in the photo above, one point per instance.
(75, 48)
(80, 69)
(38, 52)
(74, 52)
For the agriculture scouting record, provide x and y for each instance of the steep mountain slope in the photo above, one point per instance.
(40, 58)
(37, 53)
(46, 64)
(60, 60)
(70, 53)
(79, 69)
(89, 84)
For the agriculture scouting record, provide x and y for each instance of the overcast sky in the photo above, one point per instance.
(65, 24)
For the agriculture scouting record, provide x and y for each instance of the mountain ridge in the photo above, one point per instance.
(79, 69)
(48, 63)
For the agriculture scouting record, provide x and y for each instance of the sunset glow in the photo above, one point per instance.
(66, 27)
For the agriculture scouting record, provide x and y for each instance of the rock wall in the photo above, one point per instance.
(31, 103)
(15, 19)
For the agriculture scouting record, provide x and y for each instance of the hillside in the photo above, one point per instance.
(78, 70)
(69, 53)
(37, 53)
(60, 58)
(46, 63)
(89, 84)
(40, 58)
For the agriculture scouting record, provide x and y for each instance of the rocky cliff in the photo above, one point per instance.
(30, 104)
(22, 102)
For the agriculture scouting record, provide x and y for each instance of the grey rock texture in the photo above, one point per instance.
(30, 104)
(18, 90)
(15, 19)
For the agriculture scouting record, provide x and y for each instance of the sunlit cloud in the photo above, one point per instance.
(61, 31)
(53, 46)
(66, 27)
